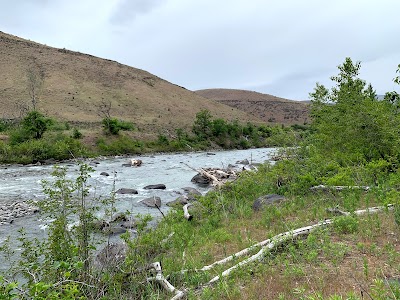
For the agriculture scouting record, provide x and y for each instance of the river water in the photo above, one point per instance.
(20, 183)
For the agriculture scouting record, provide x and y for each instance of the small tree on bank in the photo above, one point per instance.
(351, 125)
(36, 124)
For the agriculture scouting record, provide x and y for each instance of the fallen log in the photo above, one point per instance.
(186, 213)
(160, 279)
(337, 211)
(339, 187)
(214, 180)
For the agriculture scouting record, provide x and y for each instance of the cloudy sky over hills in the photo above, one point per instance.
(277, 47)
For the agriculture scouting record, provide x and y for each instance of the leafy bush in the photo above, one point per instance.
(345, 224)
(120, 145)
(114, 126)
(58, 147)
(19, 135)
(5, 125)
(36, 124)
(76, 134)
(162, 140)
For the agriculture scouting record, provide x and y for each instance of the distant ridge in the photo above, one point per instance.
(76, 83)
(263, 106)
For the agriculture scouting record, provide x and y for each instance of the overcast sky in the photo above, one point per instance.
(280, 47)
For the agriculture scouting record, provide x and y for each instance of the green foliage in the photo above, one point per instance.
(202, 124)
(162, 140)
(121, 145)
(5, 125)
(76, 134)
(59, 147)
(345, 224)
(58, 126)
(351, 125)
(19, 135)
(233, 135)
(7, 289)
(36, 124)
(114, 126)
(59, 266)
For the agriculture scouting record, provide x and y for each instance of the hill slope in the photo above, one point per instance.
(75, 84)
(266, 107)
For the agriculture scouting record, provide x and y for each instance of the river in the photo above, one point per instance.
(21, 183)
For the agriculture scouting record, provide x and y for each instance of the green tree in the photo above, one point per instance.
(36, 124)
(203, 124)
(350, 124)
(219, 128)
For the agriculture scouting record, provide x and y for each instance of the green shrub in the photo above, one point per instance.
(36, 124)
(120, 145)
(76, 134)
(19, 135)
(5, 125)
(162, 140)
(345, 224)
(114, 126)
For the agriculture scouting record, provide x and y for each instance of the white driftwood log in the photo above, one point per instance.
(163, 281)
(337, 211)
(339, 187)
(275, 241)
(186, 213)
(215, 181)
(135, 162)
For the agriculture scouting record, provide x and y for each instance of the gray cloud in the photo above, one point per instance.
(127, 10)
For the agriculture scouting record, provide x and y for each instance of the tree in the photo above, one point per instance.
(36, 124)
(350, 124)
(202, 124)
(35, 76)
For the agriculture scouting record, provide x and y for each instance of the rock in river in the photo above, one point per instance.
(152, 201)
(126, 191)
(155, 187)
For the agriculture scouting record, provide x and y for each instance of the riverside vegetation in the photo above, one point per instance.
(354, 141)
(37, 138)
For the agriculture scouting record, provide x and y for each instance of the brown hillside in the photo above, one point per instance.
(266, 107)
(76, 83)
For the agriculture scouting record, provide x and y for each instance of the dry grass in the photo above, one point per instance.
(263, 106)
(75, 84)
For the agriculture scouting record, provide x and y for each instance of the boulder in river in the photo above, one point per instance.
(104, 174)
(266, 200)
(243, 162)
(126, 191)
(159, 186)
(152, 201)
(192, 193)
(201, 180)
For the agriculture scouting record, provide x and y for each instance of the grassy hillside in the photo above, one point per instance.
(266, 107)
(75, 84)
